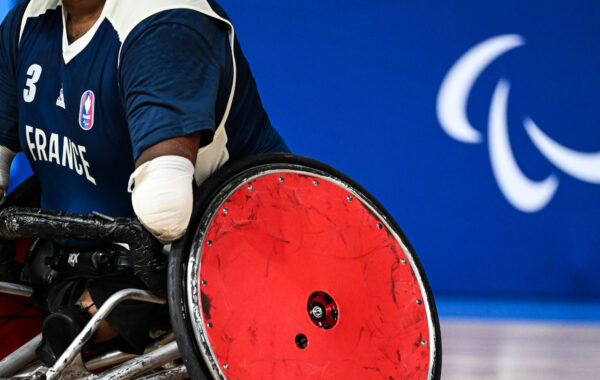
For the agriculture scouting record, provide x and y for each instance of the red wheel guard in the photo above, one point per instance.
(286, 242)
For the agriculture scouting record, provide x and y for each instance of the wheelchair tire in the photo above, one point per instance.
(291, 270)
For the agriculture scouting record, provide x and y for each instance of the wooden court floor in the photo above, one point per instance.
(519, 350)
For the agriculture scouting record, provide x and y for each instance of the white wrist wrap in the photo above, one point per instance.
(162, 197)
(6, 158)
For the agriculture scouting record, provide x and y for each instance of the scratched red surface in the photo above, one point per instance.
(279, 243)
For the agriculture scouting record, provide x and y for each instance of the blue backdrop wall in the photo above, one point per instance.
(5, 6)
(475, 123)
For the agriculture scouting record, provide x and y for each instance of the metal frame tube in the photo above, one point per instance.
(32, 371)
(16, 289)
(176, 373)
(142, 364)
(23, 355)
(16, 222)
(108, 359)
(87, 332)
(116, 357)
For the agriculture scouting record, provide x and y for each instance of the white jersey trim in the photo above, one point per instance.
(125, 15)
(35, 9)
(70, 51)
(211, 157)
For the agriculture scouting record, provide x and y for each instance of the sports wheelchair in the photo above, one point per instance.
(289, 270)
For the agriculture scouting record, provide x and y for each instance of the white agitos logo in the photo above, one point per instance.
(522, 192)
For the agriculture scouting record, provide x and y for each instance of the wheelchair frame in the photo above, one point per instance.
(150, 265)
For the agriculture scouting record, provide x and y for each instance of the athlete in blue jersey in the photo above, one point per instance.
(112, 97)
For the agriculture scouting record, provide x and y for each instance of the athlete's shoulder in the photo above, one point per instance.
(34, 8)
(31, 9)
(10, 31)
(126, 15)
(13, 19)
(16, 13)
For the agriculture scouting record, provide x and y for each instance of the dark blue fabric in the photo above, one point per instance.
(9, 38)
(90, 167)
(176, 73)
(171, 76)
(248, 126)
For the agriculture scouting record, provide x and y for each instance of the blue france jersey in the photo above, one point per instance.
(146, 71)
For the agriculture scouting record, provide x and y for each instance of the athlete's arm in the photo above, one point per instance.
(161, 186)
(170, 75)
(184, 146)
(6, 158)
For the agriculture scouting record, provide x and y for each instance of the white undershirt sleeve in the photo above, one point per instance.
(6, 159)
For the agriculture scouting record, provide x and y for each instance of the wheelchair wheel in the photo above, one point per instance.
(291, 270)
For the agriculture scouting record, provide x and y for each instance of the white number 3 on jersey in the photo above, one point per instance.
(33, 75)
